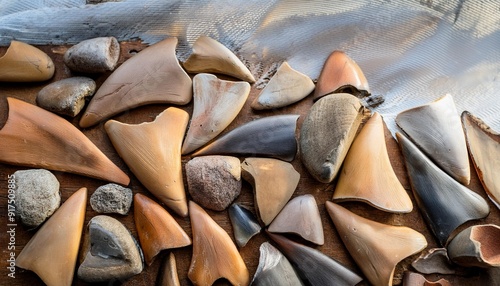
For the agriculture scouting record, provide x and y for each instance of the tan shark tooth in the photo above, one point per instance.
(324, 148)
(152, 76)
(273, 182)
(167, 276)
(216, 104)
(214, 253)
(52, 252)
(287, 86)
(415, 279)
(484, 148)
(156, 228)
(341, 74)
(152, 150)
(434, 260)
(25, 63)
(436, 129)
(377, 248)
(211, 56)
(367, 174)
(300, 216)
(38, 138)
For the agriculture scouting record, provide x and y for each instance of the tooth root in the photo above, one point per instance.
(446, 204)
(211, 56)
(37, 138)
(53, 250)
(435, 260)
(167, 276)
(25, 63)
(274, 269)
(152, 76)
(216, 104)
(152, 151)
(367, 174)
(95, 55)
(214, 253)
(415, 279)
(300, 216)
(156, 228)
(244, 223)
(273, 181)
(377, 248)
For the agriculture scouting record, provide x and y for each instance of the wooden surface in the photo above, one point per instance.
(69, 183)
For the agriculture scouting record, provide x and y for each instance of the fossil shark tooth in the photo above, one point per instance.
(367, 174)
(415, 279)
(214, 253)
(445, 203)
(244, 223)
(327, 133)
(274, 269)
(484, 147)
(38, 138)
(341, 74)
(436, 129)
(167, 276)
(93, 55)
(156, 228)
(274, 183)
(52, 252)
(300, 216)
(314, 267)
(25, 63)
(152, 150)
(377, 248)
(216, 104)
(287, 86)
(211, 56)
(434, 260)
(152, 76)
(477, 245)
(272, 136)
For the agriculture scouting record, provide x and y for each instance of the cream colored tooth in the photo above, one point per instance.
(167, 275)
(25, 63)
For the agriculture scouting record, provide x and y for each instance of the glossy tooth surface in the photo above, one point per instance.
(434, 260)
(214, 253)
(300, 216)
(274, 269)
(38, 138)
(415, 279)
(377, 248)
(327, 133)
(152, 76)
(445, 203)
(244, 223)
(156, 228)
(167, 276)
(25, 63)
(152, 150)
(287, 86)
(274, 183)
(272, 136)
(212, 57)
(436, 129)
(367, 174)
(93, 55)
(52, 252)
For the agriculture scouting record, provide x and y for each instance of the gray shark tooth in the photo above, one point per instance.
(167, 275)
(434, 260)
(244, 223)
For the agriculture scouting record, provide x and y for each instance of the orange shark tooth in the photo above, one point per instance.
(25, 63)
(167, 276)
(214, 253)
(152, 150)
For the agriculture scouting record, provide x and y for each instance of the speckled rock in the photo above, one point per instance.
(111, 198)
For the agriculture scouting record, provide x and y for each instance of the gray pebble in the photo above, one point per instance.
(93, 55)
(111, 198)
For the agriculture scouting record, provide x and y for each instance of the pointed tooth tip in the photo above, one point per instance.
(89, 119)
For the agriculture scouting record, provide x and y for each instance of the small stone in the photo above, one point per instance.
(37, 196)
(67, 96)
(214, 181)
(111, 198)
(93, 55)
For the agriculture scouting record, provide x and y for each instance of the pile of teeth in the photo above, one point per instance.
(339, 139)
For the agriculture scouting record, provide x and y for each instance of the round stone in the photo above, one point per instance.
(111, 198)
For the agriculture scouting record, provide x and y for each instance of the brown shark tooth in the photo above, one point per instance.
(415, 279)
(156, 228)
(167, 276)
(216, 104)
(244, 223)
(484, 147)
(38, 138)
(300, 216)
(477, 245)
(25, 63)
(367, 174)
(272, 136)
(445, 203)
(323, 148)
(273, 181)
(341, 74)
(212, 57)
(436, 129)
(434, 260)
(287, 86)
(377, 248)
(214, 253)
(152, 150)
(152, 76)
(52, 252)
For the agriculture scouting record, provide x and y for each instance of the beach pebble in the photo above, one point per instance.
(95, 55)
(111, 198)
